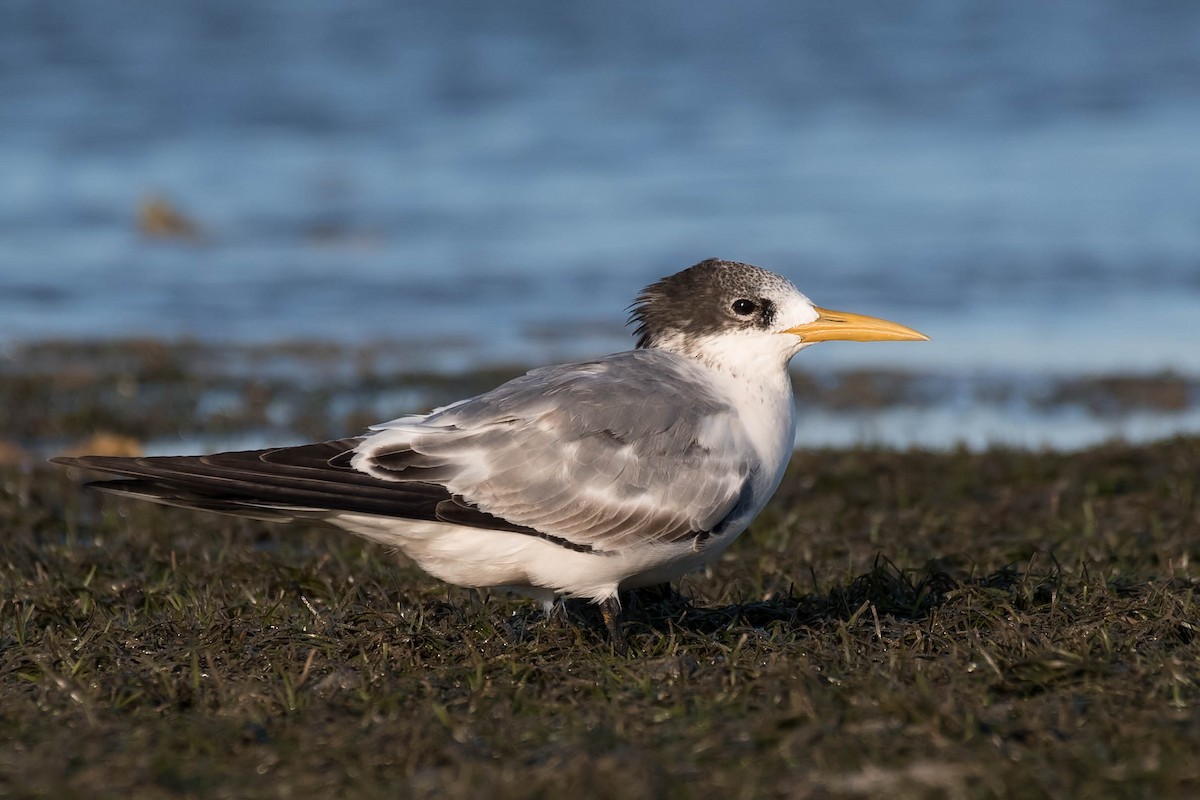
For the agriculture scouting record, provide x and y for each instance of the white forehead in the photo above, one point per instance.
(793, 307)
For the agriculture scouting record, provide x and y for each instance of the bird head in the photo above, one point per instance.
(718, 311)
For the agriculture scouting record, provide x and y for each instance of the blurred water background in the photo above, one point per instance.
(491, 183)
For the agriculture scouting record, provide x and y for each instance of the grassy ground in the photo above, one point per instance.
(900, 624)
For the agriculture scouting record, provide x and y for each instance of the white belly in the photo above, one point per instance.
(488, 558)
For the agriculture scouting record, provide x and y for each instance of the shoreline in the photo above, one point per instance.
(191, 396)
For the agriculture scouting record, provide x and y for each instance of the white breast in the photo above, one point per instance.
(755, 381)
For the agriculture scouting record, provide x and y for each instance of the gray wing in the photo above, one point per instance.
(632, 447)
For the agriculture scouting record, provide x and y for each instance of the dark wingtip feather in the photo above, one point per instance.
(282, 483)
(168, 495)
(67, 461)
(114, 464)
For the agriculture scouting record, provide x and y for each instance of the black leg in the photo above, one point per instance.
(610, 609)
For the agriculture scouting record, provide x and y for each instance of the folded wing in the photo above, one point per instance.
(630, 448)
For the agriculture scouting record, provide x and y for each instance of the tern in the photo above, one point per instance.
(577, 480)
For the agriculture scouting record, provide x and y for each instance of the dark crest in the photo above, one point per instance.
(700, 300)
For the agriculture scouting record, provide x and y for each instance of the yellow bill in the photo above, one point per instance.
(840, 326)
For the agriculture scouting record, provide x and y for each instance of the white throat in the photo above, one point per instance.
(751, 369)
(753, 356)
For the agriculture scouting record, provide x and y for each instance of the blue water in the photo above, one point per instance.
(494, 181)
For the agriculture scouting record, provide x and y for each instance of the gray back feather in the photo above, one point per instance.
(634, 446)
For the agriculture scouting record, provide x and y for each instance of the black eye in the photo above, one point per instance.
(744, 307)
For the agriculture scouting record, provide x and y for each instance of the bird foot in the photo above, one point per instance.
(610, 609)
